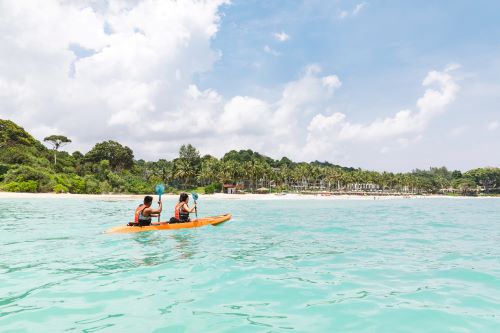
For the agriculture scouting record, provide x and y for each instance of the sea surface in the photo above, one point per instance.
(404, 265)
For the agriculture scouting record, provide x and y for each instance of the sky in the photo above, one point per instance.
(381, 85)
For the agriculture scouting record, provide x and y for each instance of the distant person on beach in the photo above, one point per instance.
(182, 210)
(144, 212)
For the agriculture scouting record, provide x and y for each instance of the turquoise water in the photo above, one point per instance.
(408, 265)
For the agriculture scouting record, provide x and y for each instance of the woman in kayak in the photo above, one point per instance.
(182, 210)
(144, 212)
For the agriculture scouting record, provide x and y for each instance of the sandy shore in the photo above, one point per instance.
(219, 196)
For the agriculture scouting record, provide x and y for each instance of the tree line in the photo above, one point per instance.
(26, 165)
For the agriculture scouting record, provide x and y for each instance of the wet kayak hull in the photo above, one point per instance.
(200, 222)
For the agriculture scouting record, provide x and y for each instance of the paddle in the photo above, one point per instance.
(159, 188)
(195, 197)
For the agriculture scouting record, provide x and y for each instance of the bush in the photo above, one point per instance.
(59, 188)
(105, 187)
(115, 181)
(210, 189)
(92, 185)
(14, 155)
(23, 186)
(3, 169)
(138, 186)
(77, 185)
(24, 173)
(213, 188)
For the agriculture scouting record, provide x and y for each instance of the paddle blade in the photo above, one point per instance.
(194, 195)
(159, 188)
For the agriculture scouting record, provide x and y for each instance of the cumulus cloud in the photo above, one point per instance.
(124, 71)
(327, 130)
(115, 69)
(281, 36)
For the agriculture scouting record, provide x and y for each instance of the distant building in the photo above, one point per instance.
(366, 187)
(232, 188)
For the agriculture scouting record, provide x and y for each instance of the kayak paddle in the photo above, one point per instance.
(159, 188)
(195, 197)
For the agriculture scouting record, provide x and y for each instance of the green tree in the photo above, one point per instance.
(57, 141)
(191, 155)
(119, 157)
(489, 178)
(188, 165)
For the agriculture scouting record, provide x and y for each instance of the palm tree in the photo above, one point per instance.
(184, 171)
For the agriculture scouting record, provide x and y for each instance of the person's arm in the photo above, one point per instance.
(155, 212)
(189, 210)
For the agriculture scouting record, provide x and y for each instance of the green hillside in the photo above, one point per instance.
(26, 165)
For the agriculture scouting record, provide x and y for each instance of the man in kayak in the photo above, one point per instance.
(144, 212)
(182, 210)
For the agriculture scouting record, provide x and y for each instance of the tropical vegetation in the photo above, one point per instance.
(26, 165)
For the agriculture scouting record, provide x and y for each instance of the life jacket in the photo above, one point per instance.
(138, 217)
(179, 213)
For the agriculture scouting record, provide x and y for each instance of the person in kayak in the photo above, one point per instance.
(182, 210)
(144, 212)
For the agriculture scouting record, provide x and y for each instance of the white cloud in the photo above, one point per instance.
(269, 50)
(342, 13)
(359, 7)
(245, 115)
(281, 36)
(452, 66)
(493, 126)
(139, 60)
(326, 131)
(124, 71)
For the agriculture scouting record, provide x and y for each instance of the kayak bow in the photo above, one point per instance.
(196, 223)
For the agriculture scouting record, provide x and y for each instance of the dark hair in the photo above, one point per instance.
(148, 199)
(183, 197)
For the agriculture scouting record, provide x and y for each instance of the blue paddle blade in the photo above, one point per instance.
(159, 188)
(195, 195)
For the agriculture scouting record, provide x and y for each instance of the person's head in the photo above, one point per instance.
(184, 197)
(148, 200)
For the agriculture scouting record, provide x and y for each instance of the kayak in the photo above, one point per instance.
(196, 223)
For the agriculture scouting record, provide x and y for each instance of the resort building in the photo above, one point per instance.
(232, 188)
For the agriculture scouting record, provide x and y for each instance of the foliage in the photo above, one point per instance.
(59, 188)
(77, 185)
(119, 157)
(3, 170)
(210, 189)
(25, 166)
(57, 141)
(22, 186)
(14, 135)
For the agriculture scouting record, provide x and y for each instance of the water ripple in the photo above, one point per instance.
(355, 266)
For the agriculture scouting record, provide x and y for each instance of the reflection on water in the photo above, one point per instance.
(184, 244)
(160, 247)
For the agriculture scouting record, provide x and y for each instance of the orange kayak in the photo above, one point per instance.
(213, 220)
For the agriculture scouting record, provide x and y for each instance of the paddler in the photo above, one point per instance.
(144, 212)
(182, 210)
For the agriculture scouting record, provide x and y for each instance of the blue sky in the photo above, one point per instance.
(381, 55)
(385, 85)
(386, 42)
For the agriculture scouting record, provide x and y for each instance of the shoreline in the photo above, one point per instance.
(223, 196)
